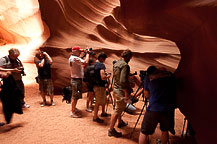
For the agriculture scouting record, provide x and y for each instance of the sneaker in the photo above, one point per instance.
(98, 120)
(89, 110)
(26, 105)
(53, 104)
(74, 115)
(122, 124)
(105, 114)
(114, 133)
(77, 110)
(43, 104)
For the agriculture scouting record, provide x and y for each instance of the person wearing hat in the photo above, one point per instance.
(76, 70)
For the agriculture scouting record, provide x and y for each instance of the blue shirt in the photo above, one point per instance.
(162, 93)
(98, 67)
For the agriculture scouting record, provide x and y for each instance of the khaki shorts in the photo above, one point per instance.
(76, 88)
(120, 104)
(100, 93)
(46, 86)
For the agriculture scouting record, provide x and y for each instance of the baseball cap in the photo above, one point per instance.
(77, 48)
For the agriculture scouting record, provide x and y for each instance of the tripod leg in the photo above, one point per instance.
(133, 96)
(137, 120)
(107, 104)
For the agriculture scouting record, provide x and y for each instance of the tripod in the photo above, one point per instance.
(110, 96)
(140, 86)
(144, 106)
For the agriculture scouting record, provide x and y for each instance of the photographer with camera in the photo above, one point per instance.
(43, 63)
(76, 69)
(13, 64)
(121, 91)
(159, 87)
(100, 87)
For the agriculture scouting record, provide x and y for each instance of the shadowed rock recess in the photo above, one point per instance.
(180, 35)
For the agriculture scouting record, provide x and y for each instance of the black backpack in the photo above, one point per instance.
(89, 74)
(67, 94)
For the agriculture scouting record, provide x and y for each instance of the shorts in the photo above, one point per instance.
(76, 88)
(120, 104)
(89, 87)
(46, 86)
(100, 94)
(151, 119)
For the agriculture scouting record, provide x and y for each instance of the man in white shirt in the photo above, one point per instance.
(76, 68)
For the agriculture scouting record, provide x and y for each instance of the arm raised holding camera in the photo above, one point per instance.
(45, 57)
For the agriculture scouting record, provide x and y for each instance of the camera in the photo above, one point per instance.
(90, 49)
(114, 62)
(108, 73)
(91, 52)
(17, 64)
(22, 71)
(134, 100)
(142, 74)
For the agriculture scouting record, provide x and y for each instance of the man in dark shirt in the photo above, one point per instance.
(43, 62)
(121, 92)
(159, 87)
(99, 87)
(3, 74)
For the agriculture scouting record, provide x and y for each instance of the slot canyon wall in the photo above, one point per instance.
(192, 26)
(180, 35)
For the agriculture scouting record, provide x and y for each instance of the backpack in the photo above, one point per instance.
(67, 94)
(89, 74)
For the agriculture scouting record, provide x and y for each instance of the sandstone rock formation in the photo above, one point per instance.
(180, 35)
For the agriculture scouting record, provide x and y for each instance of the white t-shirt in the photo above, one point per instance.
(76, 66)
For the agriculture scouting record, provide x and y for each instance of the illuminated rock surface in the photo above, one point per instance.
(151, 29)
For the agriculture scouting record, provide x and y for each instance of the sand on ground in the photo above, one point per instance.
(53, 125)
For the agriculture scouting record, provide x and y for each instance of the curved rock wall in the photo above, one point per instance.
(192, 25)
(92, 24)
(147, 27)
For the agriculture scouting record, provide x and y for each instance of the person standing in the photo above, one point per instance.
(76, 70)
(10, 94)
(121, 92)
(3, 74)
(89, 78)
(11, 61)
(100, 87)
(43, 63)
(159, 87)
